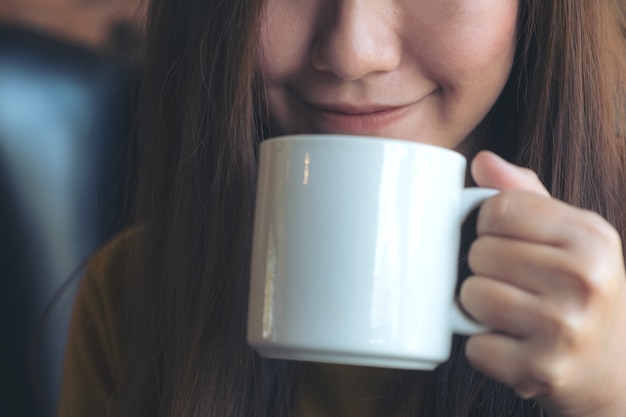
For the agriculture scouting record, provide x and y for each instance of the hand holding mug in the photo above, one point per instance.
(549, 279)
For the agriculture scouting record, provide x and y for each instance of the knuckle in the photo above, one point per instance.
(591, 277)
(532, 175)
(591, 270)
(563, 328)
(607, 233)
(543, 377)
(597, 229)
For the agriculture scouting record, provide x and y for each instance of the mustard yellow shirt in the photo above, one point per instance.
(93, 359)
(94, 364)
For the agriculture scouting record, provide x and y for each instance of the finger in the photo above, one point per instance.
(536, 268)
(509, 361)
(532, 217)
(490, 170)
(502, 307)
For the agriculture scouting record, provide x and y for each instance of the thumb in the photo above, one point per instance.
(491, 171)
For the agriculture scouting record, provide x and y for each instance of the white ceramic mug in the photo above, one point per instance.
(355, 251)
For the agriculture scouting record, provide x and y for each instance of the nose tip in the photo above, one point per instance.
(356, 44)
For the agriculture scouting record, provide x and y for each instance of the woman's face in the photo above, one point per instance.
(422, 70)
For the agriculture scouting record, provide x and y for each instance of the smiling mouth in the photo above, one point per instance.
(356, 120)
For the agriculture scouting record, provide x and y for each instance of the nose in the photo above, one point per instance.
(359, 38)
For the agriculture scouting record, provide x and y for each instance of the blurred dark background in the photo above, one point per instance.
(68, 78)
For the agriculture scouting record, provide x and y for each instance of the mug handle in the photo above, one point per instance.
(461, 323)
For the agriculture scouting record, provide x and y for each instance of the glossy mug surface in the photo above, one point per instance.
(355, 251)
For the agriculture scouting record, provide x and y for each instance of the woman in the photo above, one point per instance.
(159, 327)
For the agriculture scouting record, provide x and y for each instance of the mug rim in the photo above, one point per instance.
(301, 137)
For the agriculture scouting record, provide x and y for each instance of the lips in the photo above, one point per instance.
(355, 119)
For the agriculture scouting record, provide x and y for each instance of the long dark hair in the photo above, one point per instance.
(561, 114)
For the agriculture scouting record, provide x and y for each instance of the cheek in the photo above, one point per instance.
(477, 47)
(284, 37)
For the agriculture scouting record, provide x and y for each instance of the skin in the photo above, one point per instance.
(337, 66)
(549, 278)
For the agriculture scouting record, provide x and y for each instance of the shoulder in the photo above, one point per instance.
(109, 270)
(104, 292)
(97, 345)
(117, 251)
